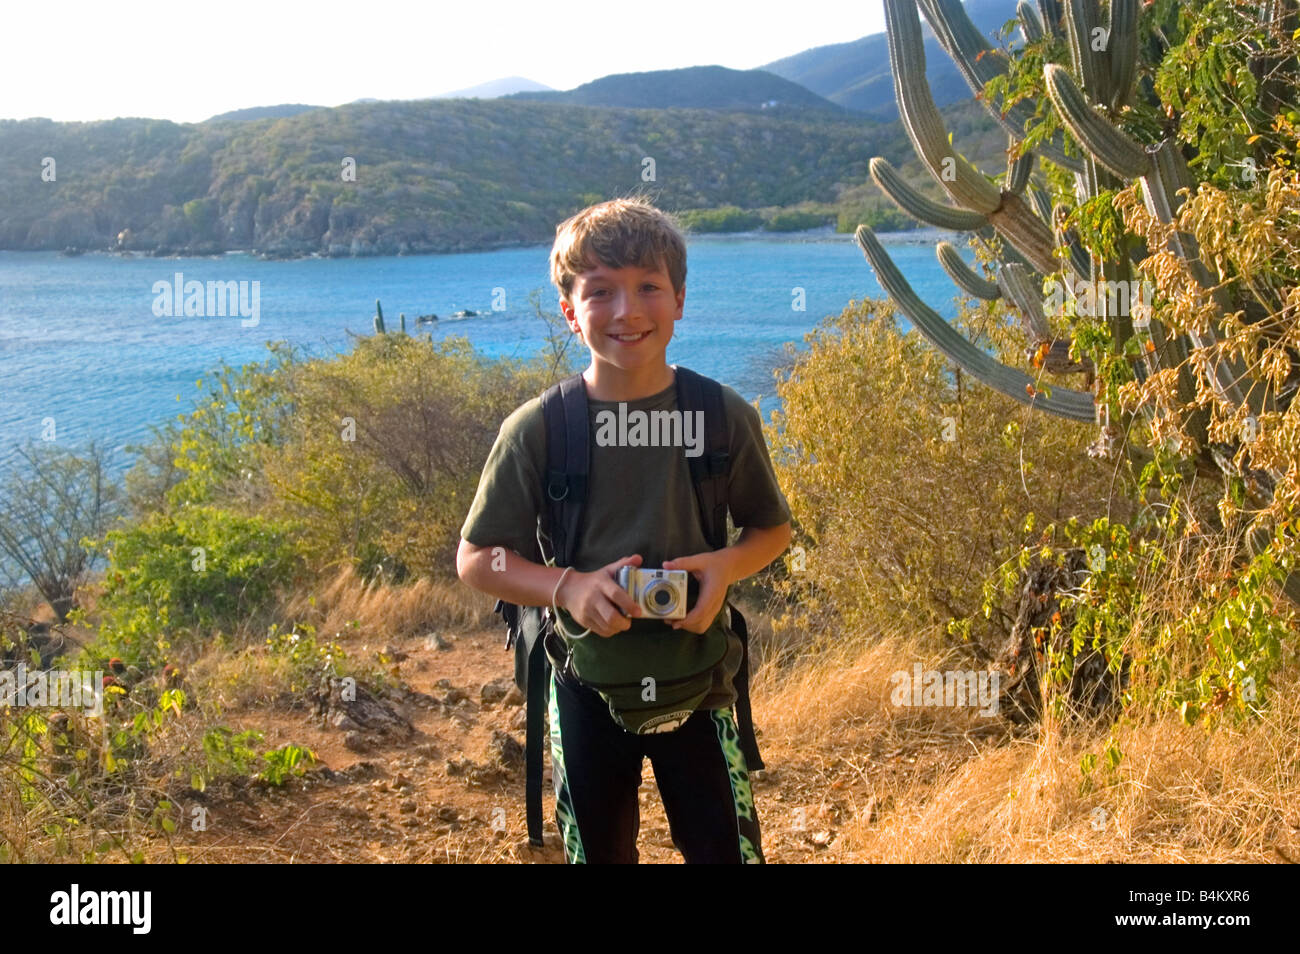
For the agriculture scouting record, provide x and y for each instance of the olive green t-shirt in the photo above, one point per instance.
(640, 499)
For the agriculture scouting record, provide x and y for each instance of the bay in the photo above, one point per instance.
(81, 346)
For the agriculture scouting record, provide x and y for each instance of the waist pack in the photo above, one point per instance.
(683, 663)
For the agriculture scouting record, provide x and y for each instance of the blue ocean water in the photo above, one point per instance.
(81, 345)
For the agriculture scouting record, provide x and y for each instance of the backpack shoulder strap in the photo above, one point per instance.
(710, 472)
(710, 469)
(564, 408)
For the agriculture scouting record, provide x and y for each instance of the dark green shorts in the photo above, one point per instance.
(596, 770)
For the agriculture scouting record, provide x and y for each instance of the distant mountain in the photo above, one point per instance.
(857, 75)
(264, 112)
(497, 87)
(695, 87)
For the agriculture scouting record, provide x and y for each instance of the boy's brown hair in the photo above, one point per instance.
(617, 233)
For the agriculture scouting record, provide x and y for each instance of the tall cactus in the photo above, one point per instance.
(1098, 82)
(379, 318)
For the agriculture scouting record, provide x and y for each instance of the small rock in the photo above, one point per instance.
(407, 807)
(395, 654)
(447, 814)
(356, 742)
(519, 720)
(401, 781)
(456, 696)
(514, 697)
(455, 768)
(427, 750)
(494, 691)
(436, 641)
(508, 750)
(444, 684)
(821, 838)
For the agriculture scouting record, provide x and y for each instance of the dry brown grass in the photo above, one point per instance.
(946, 786)
(349, 604)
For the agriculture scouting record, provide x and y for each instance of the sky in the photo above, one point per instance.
(178, 60)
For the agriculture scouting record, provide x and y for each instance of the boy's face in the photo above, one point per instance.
(625, 315)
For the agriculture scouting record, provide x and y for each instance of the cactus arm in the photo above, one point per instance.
(963, 276)
(961, 180)
(1111, 147)
(917, 205)
(1123, 50)
(1160, 194)
(1018, 172)
(379, 318)
(1022, 227)
(1015, 384)
(978, 62)
(1031, 24)
(1093, 70)
(1042, 204)
(1019, 289)
(1049, 11)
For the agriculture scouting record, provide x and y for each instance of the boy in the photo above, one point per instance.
(620, 267)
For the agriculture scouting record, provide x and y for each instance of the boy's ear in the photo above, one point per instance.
(570, 317)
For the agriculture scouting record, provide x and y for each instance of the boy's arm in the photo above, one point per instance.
(503, 573)
(756, 548)
(594, 599)
(718, 569)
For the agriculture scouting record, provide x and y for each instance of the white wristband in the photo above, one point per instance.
(556, 612)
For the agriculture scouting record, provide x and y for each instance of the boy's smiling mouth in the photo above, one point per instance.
(630, 339)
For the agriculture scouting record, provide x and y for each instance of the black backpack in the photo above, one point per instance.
(564, 406)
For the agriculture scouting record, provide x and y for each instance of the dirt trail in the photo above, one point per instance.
(451, 792)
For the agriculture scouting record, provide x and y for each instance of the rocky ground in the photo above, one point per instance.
(435, 773)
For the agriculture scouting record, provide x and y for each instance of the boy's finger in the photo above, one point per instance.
(634, 559)
(622, 599)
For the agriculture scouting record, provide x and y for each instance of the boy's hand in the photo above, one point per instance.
(596, 601)
(713, 570)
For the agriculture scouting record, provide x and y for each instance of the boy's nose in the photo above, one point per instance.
(627, 304)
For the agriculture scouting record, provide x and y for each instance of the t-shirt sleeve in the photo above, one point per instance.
(508, 500)
(753, 493)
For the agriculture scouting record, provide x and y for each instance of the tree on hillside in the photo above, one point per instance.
(47, 506)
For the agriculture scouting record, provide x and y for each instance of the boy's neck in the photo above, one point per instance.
(608, 383)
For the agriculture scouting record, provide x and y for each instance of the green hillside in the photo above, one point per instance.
(438, 175)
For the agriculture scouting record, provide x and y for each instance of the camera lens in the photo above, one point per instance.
(660, 598)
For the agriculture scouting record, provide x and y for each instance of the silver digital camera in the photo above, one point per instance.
(661, 594)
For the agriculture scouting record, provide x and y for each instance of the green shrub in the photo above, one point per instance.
(385, 449)
(794, 220)
(728, 218)
(908, 484)
(181, 573)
